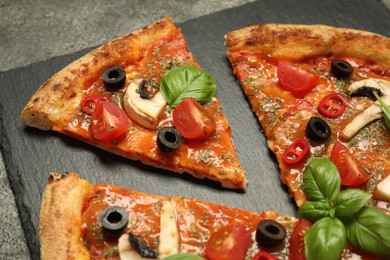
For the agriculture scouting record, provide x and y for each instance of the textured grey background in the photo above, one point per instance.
(34, 31)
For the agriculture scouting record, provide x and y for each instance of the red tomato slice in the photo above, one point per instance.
(192, 120)
(230, 242)
(296, 152)
(299, 82)
(88, 104)
(332, 106)
(108, 121)
(297, 240)
(263, 255)
(351, 172)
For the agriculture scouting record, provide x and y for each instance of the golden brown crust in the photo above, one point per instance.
(57, 97)
(296, 42)
(60, 217)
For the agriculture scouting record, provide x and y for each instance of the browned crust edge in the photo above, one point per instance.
(63, 92)
(296, 41)
(61, 217)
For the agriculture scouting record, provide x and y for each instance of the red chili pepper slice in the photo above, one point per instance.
(332, 106)
(264, 255)
(296, 152)
(88, 104)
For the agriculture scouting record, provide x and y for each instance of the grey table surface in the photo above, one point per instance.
(32, 31)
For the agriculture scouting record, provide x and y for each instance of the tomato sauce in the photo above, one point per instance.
(283, 117)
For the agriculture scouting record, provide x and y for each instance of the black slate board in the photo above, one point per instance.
(30, 154)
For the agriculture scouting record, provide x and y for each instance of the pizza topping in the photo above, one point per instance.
(296, 152)
(145, 112)
(351, 172)
(114, 219)
(263, 255)
(192, 120)
(114, 77)
(184, 82)
(140, 245)
(169, 233)
(270, 233)
(382, 190)
(386, 110)
(169, 139)
(367, 87)
(332, 106)
(228, 242)
(298, 81)
(126, 250)
(317, 129)
(297, 243)
(88, 104)
(341, 69)
(108, 121)
(147, 91)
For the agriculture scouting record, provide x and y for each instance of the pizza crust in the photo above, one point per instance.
(57, 98)
(60, 217)
(297, 42)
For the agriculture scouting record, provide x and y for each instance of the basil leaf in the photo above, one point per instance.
(369, 230)
(385, 109)
(321, 180)
(183, 256)
(350, 201)
(314, 210)
(184, 82)
(325, 239)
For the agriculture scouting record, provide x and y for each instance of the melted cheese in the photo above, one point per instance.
(169, 234)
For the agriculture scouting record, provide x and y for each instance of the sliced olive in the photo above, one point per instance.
(270, 233)
(169, 139)
(114, 219)
(366, 91)
(341, 69)
(147, 90)
(140, 245)
(114, 77)
(317, 129)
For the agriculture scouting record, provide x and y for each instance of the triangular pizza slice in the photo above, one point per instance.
(143, 96)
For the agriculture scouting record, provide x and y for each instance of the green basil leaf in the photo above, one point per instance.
(321, 180)
(314, 210)
(183, 256)
(325, 239)
(369, 230)
(385, 109)
(349, 202)
(184, 82)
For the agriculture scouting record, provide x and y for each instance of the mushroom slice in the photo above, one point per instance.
(367, 88)
(169, 233)
(144, 111)
(126, 250)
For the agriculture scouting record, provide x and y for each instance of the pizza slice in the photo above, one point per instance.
(143, 96)
(314, 89)
(80, 220)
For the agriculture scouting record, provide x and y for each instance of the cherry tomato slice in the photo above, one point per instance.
(230, 242)
(108, 121)
(299, 82)
(351, 172)
(296, 152)
(88, 104)
(297, 240)
(192, 120)
(332, 106)
(263, 255)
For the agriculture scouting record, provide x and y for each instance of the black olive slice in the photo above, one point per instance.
(114, 219)
(270, 233)
(142, 247)
(143, 91)
(317, 129)
(114, 77)
(341, 69)
(169, 139)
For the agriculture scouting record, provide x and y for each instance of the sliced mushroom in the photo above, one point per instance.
(367, 88)
(144, 111)
(169, 234)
